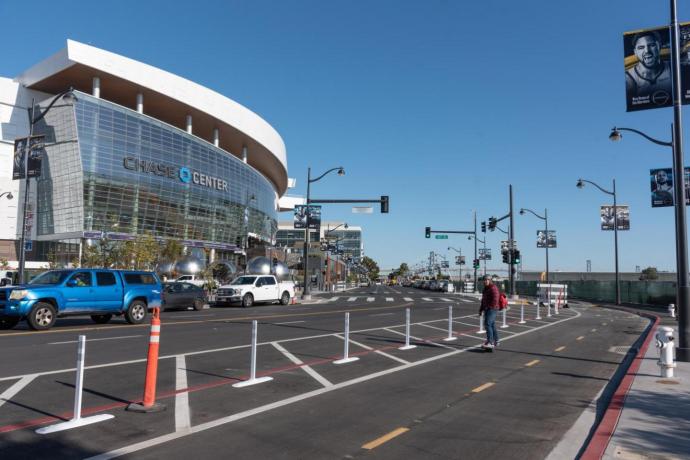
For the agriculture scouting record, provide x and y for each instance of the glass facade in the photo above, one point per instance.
(113, 169)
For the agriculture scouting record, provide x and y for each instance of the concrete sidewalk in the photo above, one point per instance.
(648, 416)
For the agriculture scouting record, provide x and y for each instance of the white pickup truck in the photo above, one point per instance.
(193, 279)
(251, 289)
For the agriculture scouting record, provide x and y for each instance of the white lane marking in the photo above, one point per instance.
(446, 300)
(382, 314)
(308, 369)
(407, 299)
(285, 402)
(16, 388)
(427, 299)
(434, 327)
(466, 300)
(189, 316)
(378, 352)
(370, 299)
(333, 299)
(389, 299)
(182, 417)
(352, 299)
(96, 340)
(419, 339)
(290, 322)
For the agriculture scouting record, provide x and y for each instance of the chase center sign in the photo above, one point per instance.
(185, 175)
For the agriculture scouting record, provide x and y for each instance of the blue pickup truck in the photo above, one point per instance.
(100, 293)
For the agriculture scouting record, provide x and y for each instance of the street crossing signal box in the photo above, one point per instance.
(428, 232)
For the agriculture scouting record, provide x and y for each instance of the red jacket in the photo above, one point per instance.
(490, 298)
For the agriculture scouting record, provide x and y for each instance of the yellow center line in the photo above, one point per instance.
(532, 363)
(483, 387)
(385, 438)
(580, 338)
(201, 321)
(560, 348)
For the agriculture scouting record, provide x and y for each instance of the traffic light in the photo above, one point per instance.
(505, 257)
(516, 257)
(492, 223)
(475, 263)
(484, 227)
(384, 204)
(428, 232)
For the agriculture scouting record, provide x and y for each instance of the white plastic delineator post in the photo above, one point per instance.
(252, 373)
(346, 339)
(407, 332)
(548, 309)
(555, 306)
(505, 324)
(481, 324)
(538, 313)
(672, 310)
(450, 325)
(522, 313)
(77, 419)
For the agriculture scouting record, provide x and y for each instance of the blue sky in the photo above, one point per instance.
(439, 104)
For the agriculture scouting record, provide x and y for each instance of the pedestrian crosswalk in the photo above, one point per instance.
(394, 299)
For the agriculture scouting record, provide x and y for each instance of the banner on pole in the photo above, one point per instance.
(607, 217)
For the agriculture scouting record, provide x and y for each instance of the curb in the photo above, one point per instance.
(596, 445)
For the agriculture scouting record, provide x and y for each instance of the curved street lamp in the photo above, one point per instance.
(581, 184)
(306, 295)
(683, 279)
(9, 195)
(545, 218)
(69, 97)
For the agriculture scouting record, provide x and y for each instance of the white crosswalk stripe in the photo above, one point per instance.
(427, 299)
(333, 299)
(446, 300)
(407, 299)
(389, 299)
(352, 299)
(370, 299)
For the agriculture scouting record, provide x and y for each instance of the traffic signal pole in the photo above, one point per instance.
(474, 262)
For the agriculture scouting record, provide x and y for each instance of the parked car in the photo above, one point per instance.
(250, 289)
(178, 295)
(100, 293)
(446, 286)
(432, 285)
(193, 279)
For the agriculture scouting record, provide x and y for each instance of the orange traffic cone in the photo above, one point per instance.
(149, 404)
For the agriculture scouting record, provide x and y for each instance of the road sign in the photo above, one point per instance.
(441, 237)
(28, 245)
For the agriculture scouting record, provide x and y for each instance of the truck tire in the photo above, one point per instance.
(285, 298)
(198, 304)
(101, 319)
(136, 312)
(8, 322)
(247, 300)
(42, 316)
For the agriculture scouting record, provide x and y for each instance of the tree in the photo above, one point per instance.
(171, 251)
(372, 268)
(404, 269)
(649, 274)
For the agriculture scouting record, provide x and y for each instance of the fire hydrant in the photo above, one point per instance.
(665, 344)
(672, 310)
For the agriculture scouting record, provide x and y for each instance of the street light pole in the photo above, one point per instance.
(545, 218)
(580, 184)
(306, 294)
(475, 251)
(33, 119)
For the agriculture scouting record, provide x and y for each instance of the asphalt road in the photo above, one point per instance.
(441, 399)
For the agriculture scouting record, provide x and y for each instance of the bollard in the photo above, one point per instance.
(346, 339)
(252, 365)
(665, 344)
(77, 419)
(555, 306)
(450, 325)
(538, 314)
(548, 310)
(481, 324)
(407, 332)
(522, 313)
(505, 324)
(672, 310)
